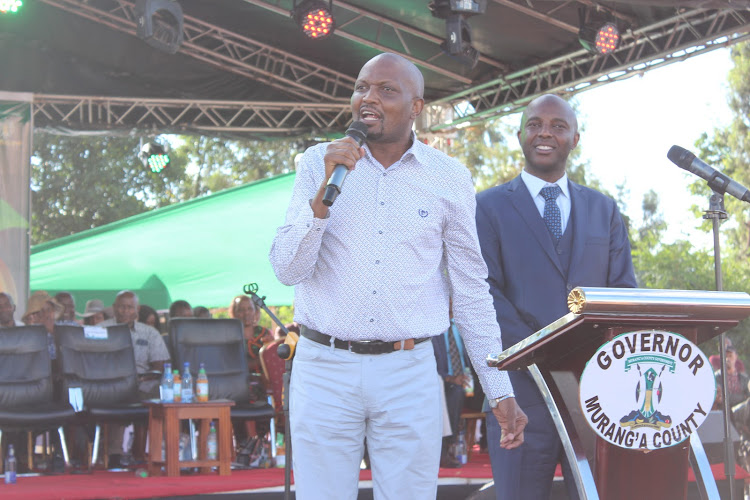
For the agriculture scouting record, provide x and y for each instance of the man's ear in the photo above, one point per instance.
(417, 107)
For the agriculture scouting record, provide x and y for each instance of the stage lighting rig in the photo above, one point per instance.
(457, 29)
(159, 23)
(154, 156)
(597, 33)
(10, 6)
(314, 18)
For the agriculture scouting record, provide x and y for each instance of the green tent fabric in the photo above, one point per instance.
(202, 251)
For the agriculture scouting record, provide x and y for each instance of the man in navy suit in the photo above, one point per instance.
(541, 236)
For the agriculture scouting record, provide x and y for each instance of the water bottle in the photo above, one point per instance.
(461, 451)
(212, 444)
(187, 384)
(201, 385)
(469, 387)
(177, 386)
(165, 389)
(10, 466)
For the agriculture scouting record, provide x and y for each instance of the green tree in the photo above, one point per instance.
(217, 163)
(81, 182)
(728, 149)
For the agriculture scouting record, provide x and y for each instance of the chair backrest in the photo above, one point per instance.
(220, 345)
(103, 366)
(25, 367)
(273, 371)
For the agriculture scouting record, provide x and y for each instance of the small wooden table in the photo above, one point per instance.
(164, 420)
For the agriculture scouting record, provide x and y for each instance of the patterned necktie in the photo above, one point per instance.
(454, 355)
(551, 211)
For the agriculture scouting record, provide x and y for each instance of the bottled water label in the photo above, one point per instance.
(166, 393)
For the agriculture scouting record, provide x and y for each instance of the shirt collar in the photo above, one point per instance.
(535, 184)
(418, 150)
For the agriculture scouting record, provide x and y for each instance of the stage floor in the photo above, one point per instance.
(255, 484)
(126, 485)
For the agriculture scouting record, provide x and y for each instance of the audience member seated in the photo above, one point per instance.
(180, 309)
(93, 314)
(44, 310)
(243, 309)
(715, 359)
(201, 312)
(68, 315)
(7, 311)
(150, 355)
(148, 316)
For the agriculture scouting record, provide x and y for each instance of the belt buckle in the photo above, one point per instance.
(365, 346)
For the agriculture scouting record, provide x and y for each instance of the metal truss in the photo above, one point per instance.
(230, 51)
(686, 35)
(351, 19)
(188, 116)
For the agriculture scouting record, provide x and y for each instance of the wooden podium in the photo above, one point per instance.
(557, 354)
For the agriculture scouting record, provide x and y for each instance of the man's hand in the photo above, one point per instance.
(344, 151)
(512, 422)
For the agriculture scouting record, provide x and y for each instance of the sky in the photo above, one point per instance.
(630, 125)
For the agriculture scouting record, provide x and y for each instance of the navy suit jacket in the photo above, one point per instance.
(527, 281)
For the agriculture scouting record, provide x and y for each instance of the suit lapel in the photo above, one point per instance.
(524, 205)
(579, 215)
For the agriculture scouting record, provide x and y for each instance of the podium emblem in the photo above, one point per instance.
(647, 389)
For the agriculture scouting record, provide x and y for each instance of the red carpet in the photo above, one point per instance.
(125, 485)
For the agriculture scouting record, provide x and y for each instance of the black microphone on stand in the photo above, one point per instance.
(358, 132)
(716, 180)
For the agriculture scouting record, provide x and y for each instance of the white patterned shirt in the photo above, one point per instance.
(396, 244)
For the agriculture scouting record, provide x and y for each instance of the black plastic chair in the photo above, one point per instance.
(27, 399)
(104, 369)
(220, 345)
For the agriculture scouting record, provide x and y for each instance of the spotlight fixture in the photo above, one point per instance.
(314, 18)
(457, 29)
(11, 6)
(159, 23)
(154, 156)
(598, 34)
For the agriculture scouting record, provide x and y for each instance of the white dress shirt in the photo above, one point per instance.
(397, 243)
(535, 185)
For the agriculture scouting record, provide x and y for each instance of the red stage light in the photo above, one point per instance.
(314, 18)
(607, 39)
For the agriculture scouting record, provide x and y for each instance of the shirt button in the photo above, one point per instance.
(380, 232)
(374, 292)
(382, 203)
(384, 174)
(372, 320)
(377, 262)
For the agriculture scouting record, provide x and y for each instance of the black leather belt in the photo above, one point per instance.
(362, 347)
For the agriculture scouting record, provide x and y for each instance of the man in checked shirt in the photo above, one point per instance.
(372, 275)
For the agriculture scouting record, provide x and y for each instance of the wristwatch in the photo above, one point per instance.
(494, 402)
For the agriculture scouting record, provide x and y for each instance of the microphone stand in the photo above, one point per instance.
(252, 290)
(717, 213)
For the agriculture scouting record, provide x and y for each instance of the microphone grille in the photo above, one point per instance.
(680, 156)
(358, 130)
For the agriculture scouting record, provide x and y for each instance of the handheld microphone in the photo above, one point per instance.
(358, 132)
(716, 180)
